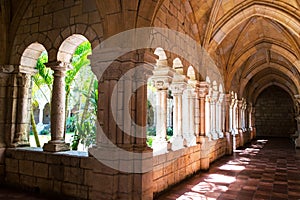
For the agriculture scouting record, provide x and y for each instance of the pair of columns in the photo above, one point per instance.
(185, 101)
(242, 106)
(214, 111)
(15, 118)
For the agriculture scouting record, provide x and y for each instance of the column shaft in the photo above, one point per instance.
(57, 142)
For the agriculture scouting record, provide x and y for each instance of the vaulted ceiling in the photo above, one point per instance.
(253, 42)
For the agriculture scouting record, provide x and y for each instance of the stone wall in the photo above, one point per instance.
(53, 174)
(274, 113)
(2, 165)
(175, 166)
(217, 149)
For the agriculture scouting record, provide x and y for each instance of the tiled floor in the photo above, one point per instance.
(266, 170)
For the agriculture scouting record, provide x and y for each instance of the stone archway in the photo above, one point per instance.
(274, 115)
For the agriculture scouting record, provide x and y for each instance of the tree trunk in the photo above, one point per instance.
(35, 133)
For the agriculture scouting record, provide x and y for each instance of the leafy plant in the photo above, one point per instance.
(71, 124)
(170, 131)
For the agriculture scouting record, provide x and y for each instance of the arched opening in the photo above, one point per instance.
(274, 116)
(81, 93)
(33, 58)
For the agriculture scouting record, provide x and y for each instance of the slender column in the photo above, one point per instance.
(228, 124)
(202, 94)
(177, 91)
(297, 118)
(249, 125)
(162, 77)
(57, 142)
(239, 111)
(205, 136)
(234, 114)
(214, 117)
(189, 118)
(8, 99)
(207, 117)
(220, 115)
(253, 122)
(177, 87)
(23, 90)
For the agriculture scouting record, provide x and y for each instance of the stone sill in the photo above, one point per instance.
(39, 149)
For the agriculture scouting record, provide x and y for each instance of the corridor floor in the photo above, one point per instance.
(267, 169)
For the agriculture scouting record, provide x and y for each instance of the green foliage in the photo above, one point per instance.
(44, 132)
(83, 123)
(170, 131)
(44, 75)
(151, 131)
(79, 60)
(150, 141)
(71, 124)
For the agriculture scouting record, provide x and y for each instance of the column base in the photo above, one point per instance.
(297, 142)
(177, 143)
(55, 147)
(229, 145)
(214, 135)
(159, 146)
(19, 144)
(190, 141)
(221, 134)
(204, 164)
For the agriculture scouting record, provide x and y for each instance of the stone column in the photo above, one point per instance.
(244, 115)
(162, 77)
(57, 142)
(253, 122)
(220, 115)
(8, 103)
(203, 91)
(205, 136)
(23, 107)
(228, 124)
(234, 130)
(121, 154)
(213, 111)
(177, 87)
(189, 116)
(208, 116)
(297, 118)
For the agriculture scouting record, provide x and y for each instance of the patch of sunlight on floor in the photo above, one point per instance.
(192, 196)
(219, 178)
(232, 167)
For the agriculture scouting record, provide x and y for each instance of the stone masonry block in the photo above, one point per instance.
(35, 156)
(56, 172)
(45, 185)
(12, 165)
(69, 189)
(26, 167)
(74, 175)
(12, 178)
(41, 170)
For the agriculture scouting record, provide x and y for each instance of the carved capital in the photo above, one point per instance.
(203, 89)
(162, 83)
(178, 88)
(7, 68)
(162, 77)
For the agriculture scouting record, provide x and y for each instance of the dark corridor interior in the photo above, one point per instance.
(274, 113)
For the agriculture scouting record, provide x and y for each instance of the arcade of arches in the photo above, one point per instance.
(243, 81)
